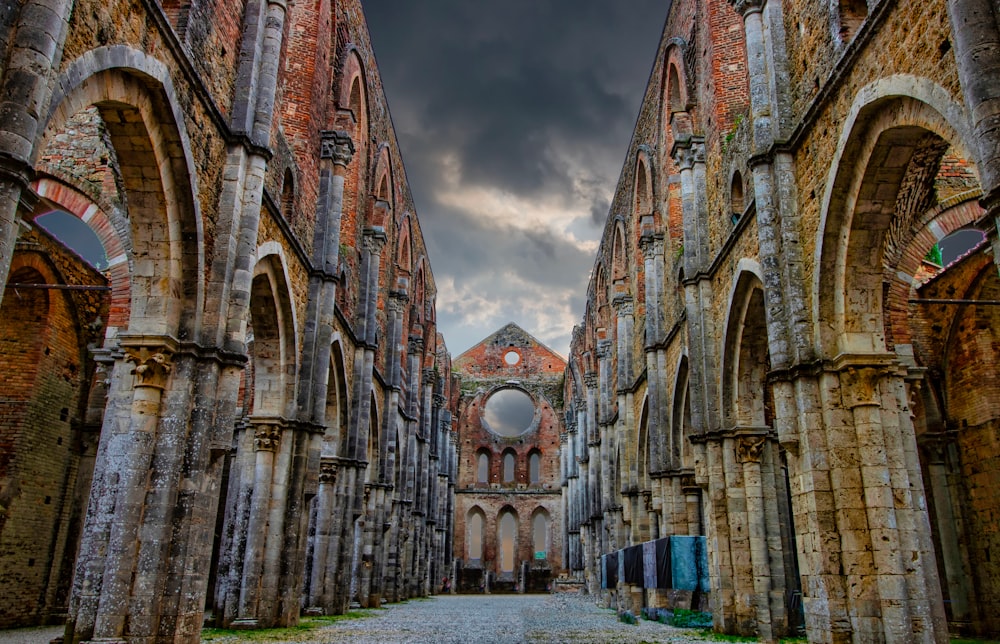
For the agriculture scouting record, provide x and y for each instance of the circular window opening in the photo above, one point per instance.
(509, 412)
(512, 358)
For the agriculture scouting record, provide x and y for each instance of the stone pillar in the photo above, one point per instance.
(889, 572)
(125, 463)
(690, 158)
(976, 37)
(39, 32)
(319, 584)
(266, 439)
(941, 457)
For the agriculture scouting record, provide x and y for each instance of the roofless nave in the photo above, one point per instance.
(250, 412)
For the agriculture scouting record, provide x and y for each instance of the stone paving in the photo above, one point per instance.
(460, 619)
(496, 619)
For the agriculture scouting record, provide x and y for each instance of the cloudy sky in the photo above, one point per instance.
(513, 117)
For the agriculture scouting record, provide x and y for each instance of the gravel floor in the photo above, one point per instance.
(462, 619)
(494, 619)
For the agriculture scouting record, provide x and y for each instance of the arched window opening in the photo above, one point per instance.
(643, 190)
(540, 534)
(535, 468)
(619, 263)
(288, 196)
(674, 101)
(508, 467)
(383, 188)
(477, 526)
(736, 200)
(355, 100)
(852, 14)
(955, 246)
(483, 468)
(75, 235)
(508, 542)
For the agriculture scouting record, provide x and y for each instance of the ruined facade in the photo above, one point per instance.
(246, 410)
(772, 355)
(508, 501)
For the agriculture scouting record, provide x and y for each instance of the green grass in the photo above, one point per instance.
(962, 640)
(723, 637)
(305, 625)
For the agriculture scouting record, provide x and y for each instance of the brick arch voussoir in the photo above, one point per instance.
(935, 224)
(74, 202)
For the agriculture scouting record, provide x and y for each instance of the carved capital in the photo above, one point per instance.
(651, 245)
(749, 448)
(337, 145)
(624, 305)
(686, 154)
(374, 240)
(152, 365)
(603, 349)
(746, 7)
(860, 387)
(397, 302)
(266, 437)
(327, 471)
(590, 379)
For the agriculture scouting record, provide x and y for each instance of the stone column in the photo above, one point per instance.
(941, 457)
(124, 465)
(976, 37)
(319, 583)
(266, 440)
(703, 390)
(36, 47)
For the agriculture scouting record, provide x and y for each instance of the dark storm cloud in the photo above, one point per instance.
(529, 99)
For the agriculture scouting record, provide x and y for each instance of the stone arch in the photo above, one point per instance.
(134, 95)
(273, 346)
(419, 293)
(372, 453)
(675, 89)
(745, 357)
(680, 425)
(894, 122)
(676, 101)
(382, 190)
(338, 405)
(643, 190)
(404, 252)
(354, 118)
(642, 446)
(61, 196)
(619, 254)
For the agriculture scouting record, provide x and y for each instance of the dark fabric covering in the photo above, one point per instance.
(664, 578)
(612, 569)
(633, 564)
(649, 564)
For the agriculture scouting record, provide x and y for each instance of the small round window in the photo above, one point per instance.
(512, 358)
(509, 412)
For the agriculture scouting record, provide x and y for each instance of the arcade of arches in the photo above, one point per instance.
(233, 401)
